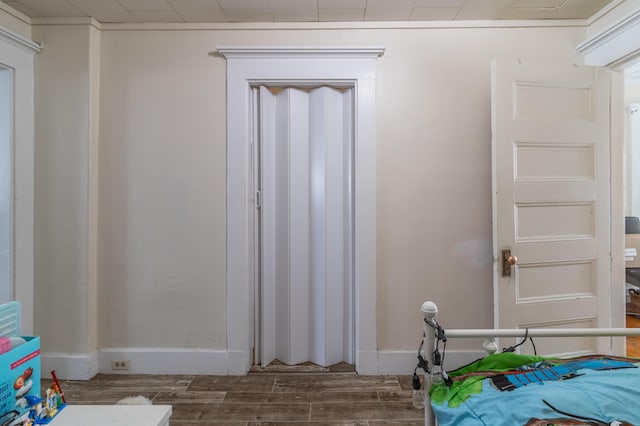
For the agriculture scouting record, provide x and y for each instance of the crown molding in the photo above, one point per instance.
(68, 21)
(604, 11)
(625, 61)
(618, 46)
(15, 13)
(630, 21)
(382, 25)
(19, 41)
(288, 51)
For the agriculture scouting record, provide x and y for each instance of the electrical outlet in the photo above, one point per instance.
(120, 364)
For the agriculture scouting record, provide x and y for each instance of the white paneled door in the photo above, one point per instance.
(551, 202)
(304, 185)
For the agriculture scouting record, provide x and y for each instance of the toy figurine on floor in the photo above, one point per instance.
(45, 413)
(42, 412)
(56, 386)
(36, 413)
(35, 405)
(51, 402)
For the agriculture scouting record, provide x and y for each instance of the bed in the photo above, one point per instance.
(516, 389)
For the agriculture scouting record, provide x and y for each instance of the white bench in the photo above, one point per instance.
(102, 415)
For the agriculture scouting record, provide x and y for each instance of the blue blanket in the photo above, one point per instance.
(511, 389)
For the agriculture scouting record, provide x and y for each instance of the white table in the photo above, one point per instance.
(121, 415)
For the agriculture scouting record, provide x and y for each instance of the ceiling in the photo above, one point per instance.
(211, 11)
(246, 11)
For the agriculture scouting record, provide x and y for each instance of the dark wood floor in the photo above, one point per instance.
(262, 398)
(273, 396)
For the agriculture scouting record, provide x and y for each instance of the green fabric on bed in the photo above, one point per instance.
(459, 391)
(498, 362)
(511, 390)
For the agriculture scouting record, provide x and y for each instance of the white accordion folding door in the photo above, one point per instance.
(305, 227)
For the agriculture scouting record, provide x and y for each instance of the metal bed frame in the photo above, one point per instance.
(430, 311)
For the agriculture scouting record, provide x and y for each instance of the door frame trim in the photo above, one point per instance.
(248, 66)
(617, 49)
(20, 62)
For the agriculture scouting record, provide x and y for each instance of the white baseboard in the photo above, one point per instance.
(367, 363)
(144, 361)
(238, 363)
(164, 361)
(216, 362)
(397, 362)
(69, 366)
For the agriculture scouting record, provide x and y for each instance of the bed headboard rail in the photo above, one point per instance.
(430, 330)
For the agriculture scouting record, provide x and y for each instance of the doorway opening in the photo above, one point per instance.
(342, 66)
(303, 176)
(632, 205)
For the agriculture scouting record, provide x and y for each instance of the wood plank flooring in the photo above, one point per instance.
(261, 398)
(275, 396)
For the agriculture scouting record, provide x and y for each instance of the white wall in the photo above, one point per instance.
(65, 143)
(95, 43)
(130, 231)
(162, 191)
(162, 175)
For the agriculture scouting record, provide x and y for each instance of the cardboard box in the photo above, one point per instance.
(632, 241)
(19, 368)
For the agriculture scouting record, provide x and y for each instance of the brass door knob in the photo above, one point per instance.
(508, 260)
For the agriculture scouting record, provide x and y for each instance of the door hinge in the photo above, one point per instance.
(258, 199)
